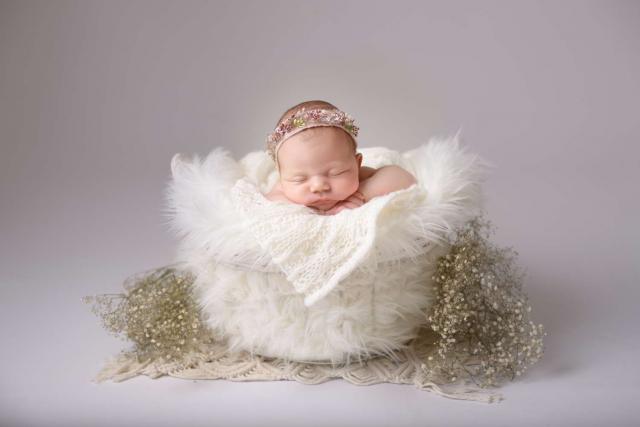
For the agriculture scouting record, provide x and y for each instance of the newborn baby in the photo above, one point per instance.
(315, 152)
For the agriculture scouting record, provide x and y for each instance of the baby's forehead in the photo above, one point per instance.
(313, 165)
(322, 137)
(316, 149)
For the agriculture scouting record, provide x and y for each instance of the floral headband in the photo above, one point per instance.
(305, 119)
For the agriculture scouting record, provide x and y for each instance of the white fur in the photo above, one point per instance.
(250, 303)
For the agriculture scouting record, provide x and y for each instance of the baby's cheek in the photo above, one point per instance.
(294, 195)
(346, 188)
(355, 183)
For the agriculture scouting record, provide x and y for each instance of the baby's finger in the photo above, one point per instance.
(355, 200)
(351, 205)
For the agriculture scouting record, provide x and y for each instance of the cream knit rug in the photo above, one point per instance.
(405, 367)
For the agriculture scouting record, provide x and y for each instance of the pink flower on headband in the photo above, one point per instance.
(304, 119)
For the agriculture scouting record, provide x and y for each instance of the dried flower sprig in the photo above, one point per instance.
(481, 314)
(158, 313)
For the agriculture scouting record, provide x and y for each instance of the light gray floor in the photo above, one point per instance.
(95, 97)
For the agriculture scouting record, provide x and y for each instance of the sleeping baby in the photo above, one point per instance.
(319, 165)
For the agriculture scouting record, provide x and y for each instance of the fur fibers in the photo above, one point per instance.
(248, 300)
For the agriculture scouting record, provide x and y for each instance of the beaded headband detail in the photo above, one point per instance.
(305, 119)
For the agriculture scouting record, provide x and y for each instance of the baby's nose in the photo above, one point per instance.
(319, 184)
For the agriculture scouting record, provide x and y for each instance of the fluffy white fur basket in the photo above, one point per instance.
(273, 300)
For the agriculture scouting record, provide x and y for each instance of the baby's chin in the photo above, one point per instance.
(323, 205)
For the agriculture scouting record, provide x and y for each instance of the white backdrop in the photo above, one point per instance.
(95, 98)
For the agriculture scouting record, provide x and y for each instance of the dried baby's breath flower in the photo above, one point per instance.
(158, 313)
(481, 312)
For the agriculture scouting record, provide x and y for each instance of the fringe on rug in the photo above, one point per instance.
(216, 363)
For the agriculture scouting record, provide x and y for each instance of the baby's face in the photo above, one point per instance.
(318, 167)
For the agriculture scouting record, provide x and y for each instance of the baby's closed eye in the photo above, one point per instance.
(295, 178)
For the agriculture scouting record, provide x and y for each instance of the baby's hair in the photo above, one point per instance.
(316, 103)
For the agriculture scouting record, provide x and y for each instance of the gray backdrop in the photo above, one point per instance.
(95, 98)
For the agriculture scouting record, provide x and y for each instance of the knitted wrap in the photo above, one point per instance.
(315, 251)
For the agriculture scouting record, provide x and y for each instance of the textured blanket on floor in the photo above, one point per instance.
(216, 362)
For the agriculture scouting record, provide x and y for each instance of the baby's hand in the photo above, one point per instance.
(354, 201)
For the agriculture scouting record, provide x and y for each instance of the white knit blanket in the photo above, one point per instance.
(316, 251)
(220, 213)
